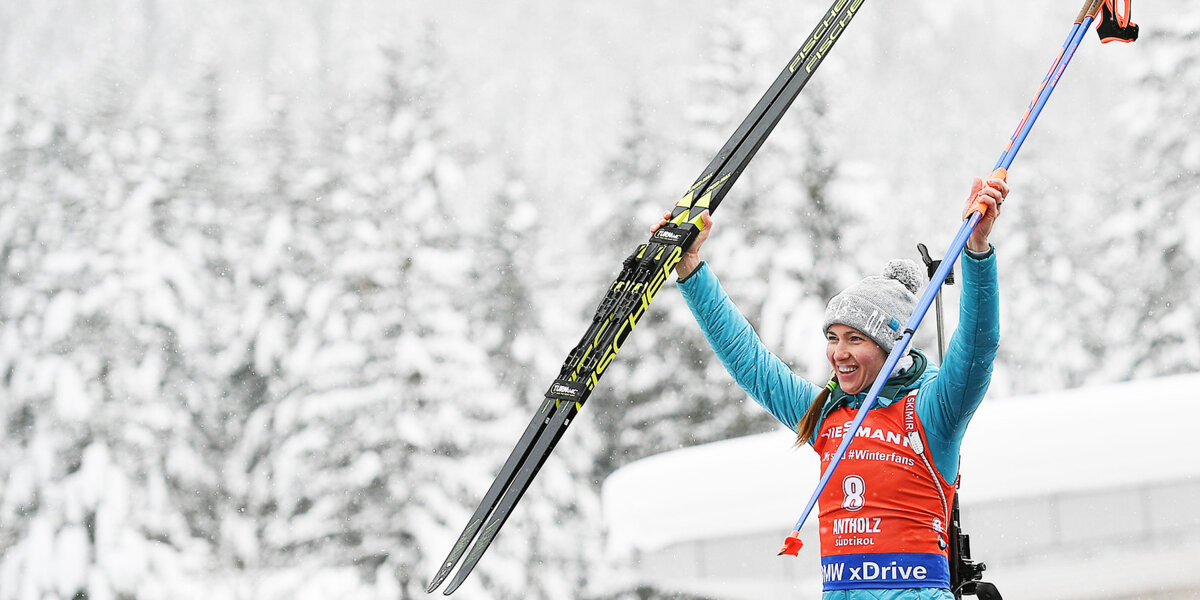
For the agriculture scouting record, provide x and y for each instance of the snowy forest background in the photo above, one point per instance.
(281, 282)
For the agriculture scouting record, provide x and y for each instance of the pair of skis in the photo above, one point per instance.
(642, 275)
(1113, 26)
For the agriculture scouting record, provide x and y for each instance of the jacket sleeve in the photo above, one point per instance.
(963, 379)
(759, 372)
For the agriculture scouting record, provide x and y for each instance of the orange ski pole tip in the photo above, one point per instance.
(792, 545)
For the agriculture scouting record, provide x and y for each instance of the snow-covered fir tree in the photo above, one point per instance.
(506, 319)
(1091, 307)
(100, 321)
(513, 266)
(1153, 212)
(361, 311)
(1052, 284)
(806, 230)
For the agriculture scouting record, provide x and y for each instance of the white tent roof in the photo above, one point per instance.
(1120, 435)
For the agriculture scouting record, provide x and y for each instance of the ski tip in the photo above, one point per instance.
(457, 581)
(792, 545)
(434, 585)
(441, 576)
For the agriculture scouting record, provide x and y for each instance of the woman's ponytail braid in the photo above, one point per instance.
(807, 427)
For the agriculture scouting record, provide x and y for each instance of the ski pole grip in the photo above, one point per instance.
(1090, 9)
(979, 206)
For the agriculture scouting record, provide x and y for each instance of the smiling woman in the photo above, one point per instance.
(861, 327)
(899, 476)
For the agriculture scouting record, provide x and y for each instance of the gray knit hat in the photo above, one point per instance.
(879, 306)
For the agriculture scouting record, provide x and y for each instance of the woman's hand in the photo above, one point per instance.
(992, 193)
(691, 258)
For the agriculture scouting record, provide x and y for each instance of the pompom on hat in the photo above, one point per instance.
(879, 306)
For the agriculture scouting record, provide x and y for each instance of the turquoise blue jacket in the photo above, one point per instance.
(946, 397)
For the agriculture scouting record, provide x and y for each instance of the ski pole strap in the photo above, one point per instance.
(1114, 26)
(979, 206)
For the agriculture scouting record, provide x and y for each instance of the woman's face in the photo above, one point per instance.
(855, 357)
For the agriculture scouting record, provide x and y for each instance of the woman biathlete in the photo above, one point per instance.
(884, 515)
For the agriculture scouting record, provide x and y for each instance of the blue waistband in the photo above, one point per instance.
(884, 571)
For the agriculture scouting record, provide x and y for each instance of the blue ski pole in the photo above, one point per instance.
(1091, 8)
